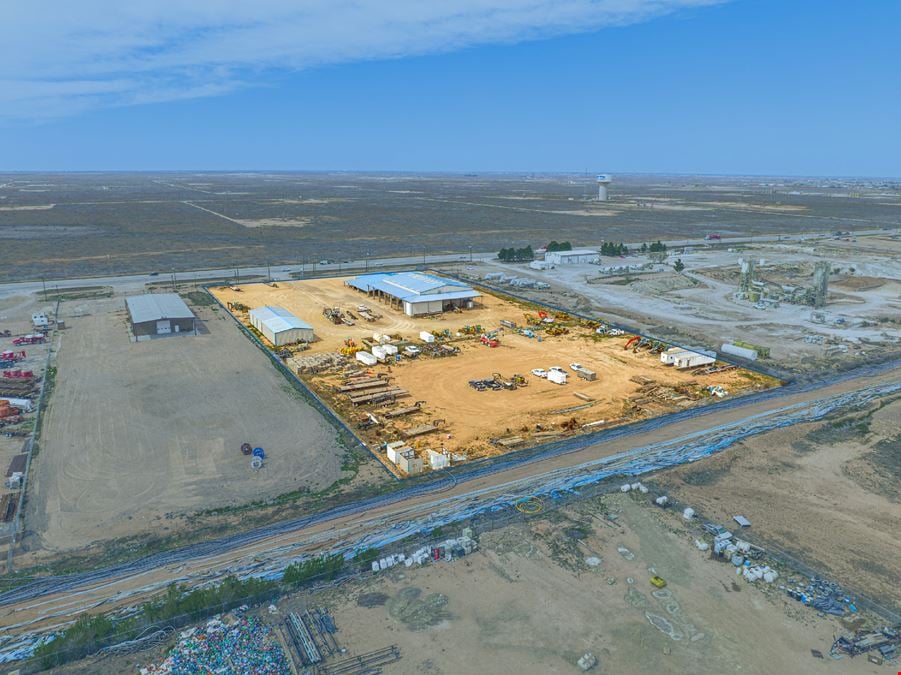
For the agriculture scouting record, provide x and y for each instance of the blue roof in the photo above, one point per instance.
(413, 286)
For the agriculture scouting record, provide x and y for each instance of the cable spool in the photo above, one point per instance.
(529, 505)
(259, 452)
(256, 464)
(246, 449)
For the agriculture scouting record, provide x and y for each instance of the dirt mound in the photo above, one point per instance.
(416, 611)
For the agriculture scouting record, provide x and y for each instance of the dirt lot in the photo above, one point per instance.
(826, 492)
(306, 300)
(138, 430)
(473, 418)
(529, 603)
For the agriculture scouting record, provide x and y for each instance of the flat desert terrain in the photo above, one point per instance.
(135, 431)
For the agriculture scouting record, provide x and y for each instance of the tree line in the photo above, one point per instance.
(516, 254)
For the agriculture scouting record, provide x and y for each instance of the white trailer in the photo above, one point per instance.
(426, 336)
(693, 360)
(556, 376)
(669, 356)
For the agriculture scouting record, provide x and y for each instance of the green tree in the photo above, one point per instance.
(678, 265)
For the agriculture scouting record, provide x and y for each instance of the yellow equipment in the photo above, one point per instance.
(659, 582)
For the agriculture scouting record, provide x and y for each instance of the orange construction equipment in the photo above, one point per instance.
(632, 341)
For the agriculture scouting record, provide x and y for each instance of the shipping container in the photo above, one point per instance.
(426, 336)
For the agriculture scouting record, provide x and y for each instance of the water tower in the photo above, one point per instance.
(603, 180)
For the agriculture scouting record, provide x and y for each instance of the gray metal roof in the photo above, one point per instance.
(156, 307)
(278, 319)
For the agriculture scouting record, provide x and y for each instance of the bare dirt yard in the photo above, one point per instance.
(828, 493)
(629, 386)
(136, 431)
(530, 602)
(307, 299)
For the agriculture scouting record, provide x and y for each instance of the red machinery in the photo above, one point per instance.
(18, 374)
(6, 410)
(632, 341)
(489, 341)
(29, 340)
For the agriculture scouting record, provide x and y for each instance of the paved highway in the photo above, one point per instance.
(132, 283)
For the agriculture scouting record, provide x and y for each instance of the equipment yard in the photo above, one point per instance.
(139, 431)
(454, 397)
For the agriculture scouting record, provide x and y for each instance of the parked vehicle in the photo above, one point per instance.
(539, 372)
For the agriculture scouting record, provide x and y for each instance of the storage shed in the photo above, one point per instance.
(156, 314)
(279, 326)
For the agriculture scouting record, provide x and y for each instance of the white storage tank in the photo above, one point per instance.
(743, 352)
(426, 336)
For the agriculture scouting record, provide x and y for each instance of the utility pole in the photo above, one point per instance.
(470, 253)
(268, 272)
(44, 282)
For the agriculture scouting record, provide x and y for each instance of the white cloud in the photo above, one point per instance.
(92, 53)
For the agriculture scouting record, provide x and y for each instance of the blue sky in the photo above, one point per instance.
(682, 86)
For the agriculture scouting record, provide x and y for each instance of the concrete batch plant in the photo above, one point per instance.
(279, 326)
(159, 314)
(416, 293)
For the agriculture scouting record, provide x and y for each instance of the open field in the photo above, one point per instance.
(136, 431)
(630, 385)
(118, 223)
(829, 493)
(528, 602)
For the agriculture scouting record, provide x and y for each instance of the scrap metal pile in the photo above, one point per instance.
(884, 640)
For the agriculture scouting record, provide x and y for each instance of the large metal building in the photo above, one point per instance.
(279, 326)
(159, 314)
(574, 257)
(416, 293)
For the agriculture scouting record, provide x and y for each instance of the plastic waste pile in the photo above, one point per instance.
(235, 644)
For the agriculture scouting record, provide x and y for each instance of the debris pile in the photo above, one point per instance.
(448, 550)
(316, 363)
(823, 595)
(234, 643)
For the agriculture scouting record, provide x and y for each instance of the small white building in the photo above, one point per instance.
(39, 320)
(578, 256)
(279, 326)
